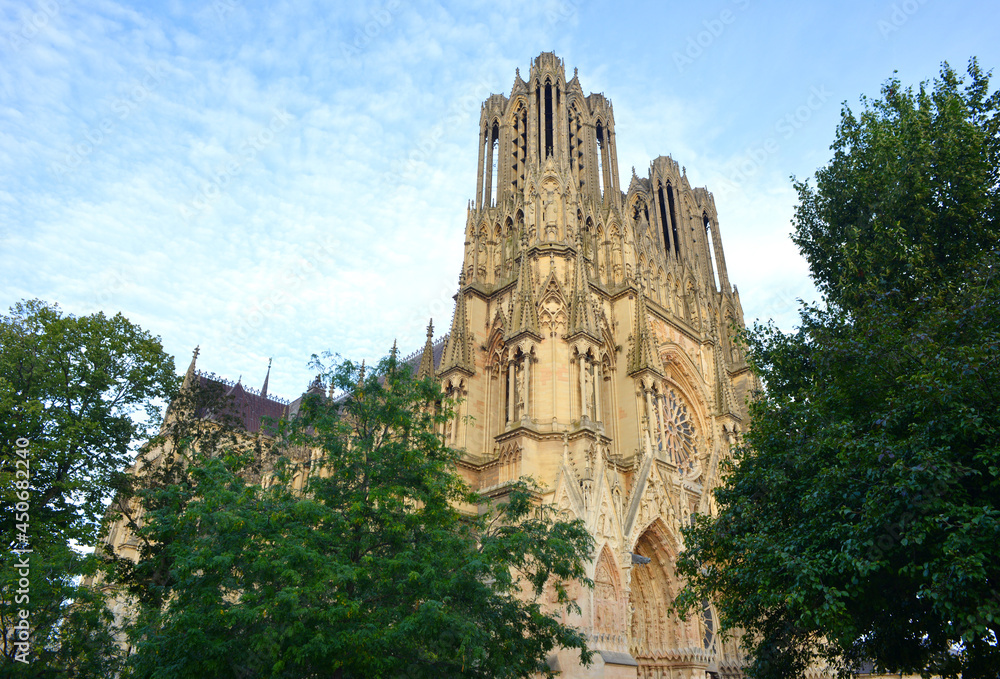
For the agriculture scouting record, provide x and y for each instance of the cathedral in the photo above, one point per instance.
(591, 348)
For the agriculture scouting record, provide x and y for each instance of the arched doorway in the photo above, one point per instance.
(659, 639)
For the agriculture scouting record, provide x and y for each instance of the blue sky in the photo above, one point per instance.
(287, 179)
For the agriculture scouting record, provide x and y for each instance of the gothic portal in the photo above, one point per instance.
(592, 346)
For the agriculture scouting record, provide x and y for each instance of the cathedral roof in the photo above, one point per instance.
(248, 406)
(415, 360)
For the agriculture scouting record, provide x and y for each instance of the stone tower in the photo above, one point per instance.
(591, 348)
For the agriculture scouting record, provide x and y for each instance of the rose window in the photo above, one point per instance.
(678, 442)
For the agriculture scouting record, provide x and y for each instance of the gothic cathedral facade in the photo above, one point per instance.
(591, 348)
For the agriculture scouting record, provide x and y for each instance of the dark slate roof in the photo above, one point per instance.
(413, 360)
(248, 406)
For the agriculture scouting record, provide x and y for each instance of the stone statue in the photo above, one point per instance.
(587, 382)
(522, 392)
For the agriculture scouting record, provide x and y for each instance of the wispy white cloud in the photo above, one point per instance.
(284, 180)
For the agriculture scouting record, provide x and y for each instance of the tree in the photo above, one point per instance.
(77, 394)
(858, 521)
(350, 548)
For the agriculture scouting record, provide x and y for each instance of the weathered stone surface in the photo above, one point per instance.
(602, 358)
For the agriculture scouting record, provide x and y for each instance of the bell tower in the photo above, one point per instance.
(592, 348)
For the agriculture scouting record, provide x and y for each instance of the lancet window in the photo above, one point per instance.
(602, 160)
(519, 146)
(711, 250)
(674, 232)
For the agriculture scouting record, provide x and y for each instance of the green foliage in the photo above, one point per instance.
(859, 520)
(909, 198)
(383, 564)
(79, 393)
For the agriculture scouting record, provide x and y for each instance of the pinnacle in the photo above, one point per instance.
(190, 374)
(456, 351)
(524, 315)
(581, 312)
(263, 389)
(643, 354)
(427, 358)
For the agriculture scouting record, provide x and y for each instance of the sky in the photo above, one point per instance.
(282, 180)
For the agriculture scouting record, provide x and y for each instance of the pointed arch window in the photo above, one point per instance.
(519, 148)
(495, 155)
(668, 242)
(601, 164)
(711, 250)
(549, 120)
(492, 163)
(673, 219)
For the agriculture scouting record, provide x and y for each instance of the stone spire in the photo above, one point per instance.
(427, 358)
(263, 390)
(524, 315)
(456, 351)
(181, 408)
(581, 310)
(189, 376)
(642, 355)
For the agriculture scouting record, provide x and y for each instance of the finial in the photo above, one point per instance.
(576, 70)
(430, 329)
(263, 389)
(517, 71)
(194, 355)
